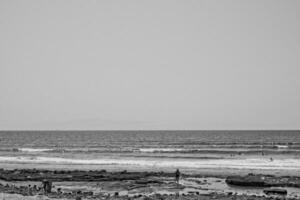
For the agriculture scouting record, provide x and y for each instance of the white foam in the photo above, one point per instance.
(253, 163)
(282, 146)
(151, 150)
(33, 150)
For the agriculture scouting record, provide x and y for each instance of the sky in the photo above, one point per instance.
(149, 65)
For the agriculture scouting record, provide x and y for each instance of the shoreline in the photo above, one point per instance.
(207, 172)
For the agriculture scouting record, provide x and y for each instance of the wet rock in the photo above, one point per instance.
(90, 193)
(148, 181)
(59, 190)
(279, 191)
(254, 181)
(79, 192)
(264, 181)
(75, 175)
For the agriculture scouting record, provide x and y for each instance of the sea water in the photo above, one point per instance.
(190, 150)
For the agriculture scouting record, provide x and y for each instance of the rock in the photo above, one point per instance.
(264, 181)
(254, 181)
(275, 191)
(148, 181)
(90, 193)
(58, 190)
(79, 192)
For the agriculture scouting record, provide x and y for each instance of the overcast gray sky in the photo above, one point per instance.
(87, 64)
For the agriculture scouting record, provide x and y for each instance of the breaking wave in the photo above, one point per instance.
(164, 150)
(249, 163)
(33, 150)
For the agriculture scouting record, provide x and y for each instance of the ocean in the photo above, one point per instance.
(152, 150)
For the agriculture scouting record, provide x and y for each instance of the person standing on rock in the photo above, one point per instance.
(177, 176)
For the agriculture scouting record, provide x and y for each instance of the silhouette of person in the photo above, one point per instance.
(177, 175)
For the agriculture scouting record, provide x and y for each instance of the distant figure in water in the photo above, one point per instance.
(271, 159)
(177, 175)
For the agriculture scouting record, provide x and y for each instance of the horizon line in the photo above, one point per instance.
(150, 130)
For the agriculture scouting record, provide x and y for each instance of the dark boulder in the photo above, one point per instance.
(253, 181)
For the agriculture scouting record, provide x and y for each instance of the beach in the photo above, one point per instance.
(124, 165)
(28, 184)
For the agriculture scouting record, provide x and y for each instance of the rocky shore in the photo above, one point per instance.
(75, 175)
(100, 184)
(260, 180)
(90, 195)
